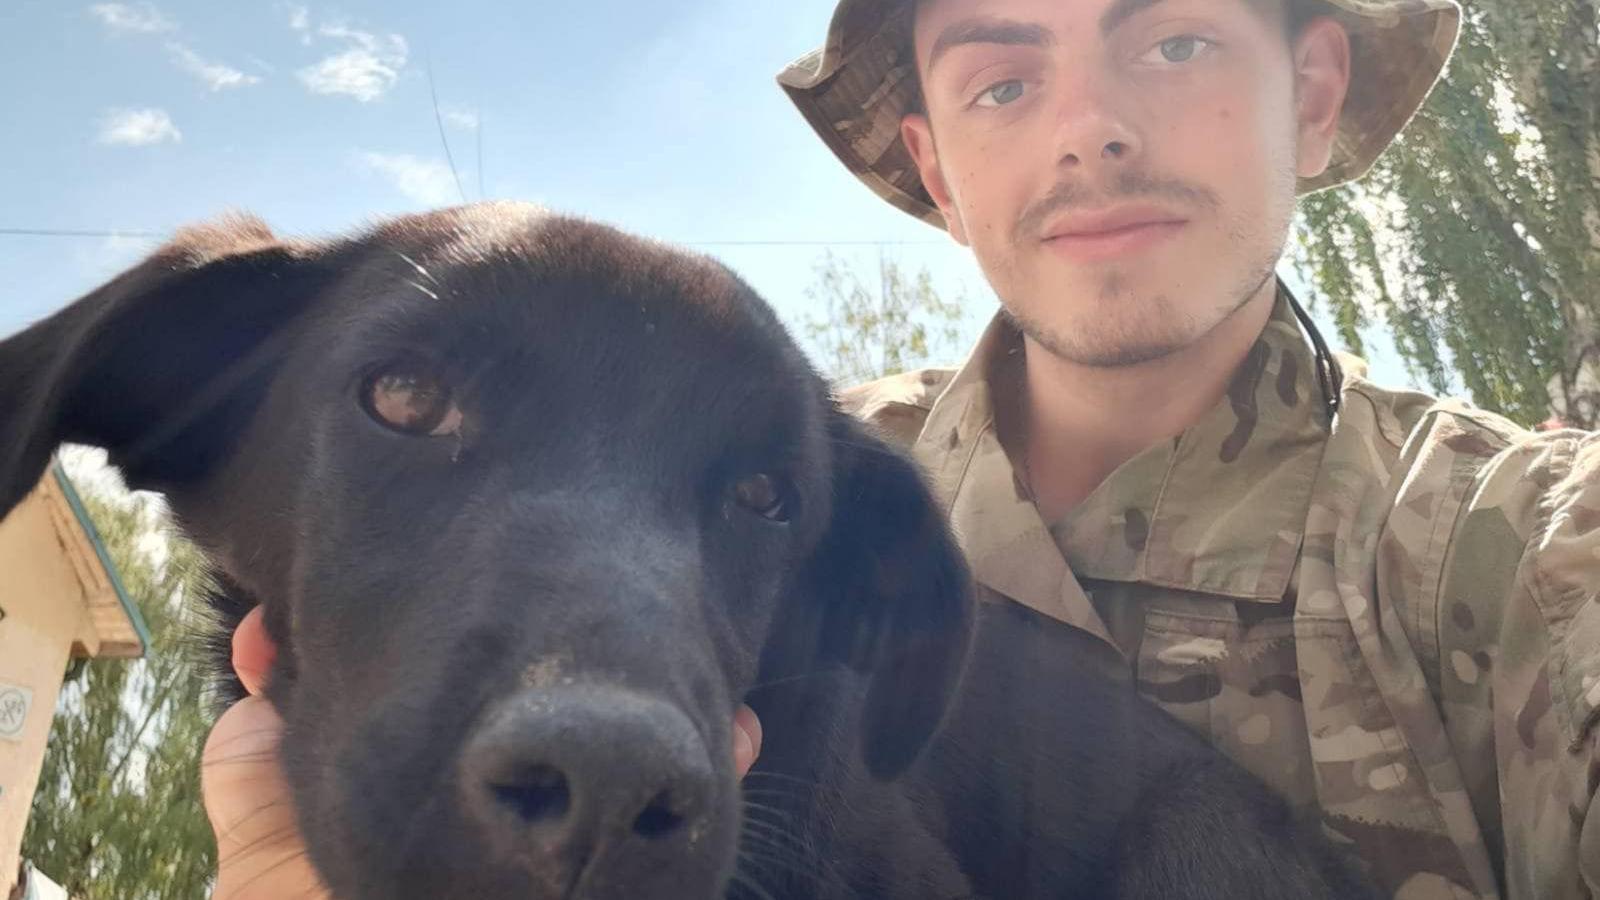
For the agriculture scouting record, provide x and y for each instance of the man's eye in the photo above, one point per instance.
(1001, 94)
(1181, 49)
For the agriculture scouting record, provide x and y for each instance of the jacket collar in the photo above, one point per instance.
(1221, 509)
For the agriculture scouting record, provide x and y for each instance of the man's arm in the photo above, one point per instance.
(1516, 653)
(1547, 685)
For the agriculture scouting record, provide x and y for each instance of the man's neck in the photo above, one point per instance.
(1082, 422)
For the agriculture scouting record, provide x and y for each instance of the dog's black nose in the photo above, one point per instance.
(564, 777)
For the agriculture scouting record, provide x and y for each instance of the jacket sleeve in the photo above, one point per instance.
(1518, 658)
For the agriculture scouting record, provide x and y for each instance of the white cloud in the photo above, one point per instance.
(366, 70)
(138, 127)
(216, 75)
(143, 18)
(300, 20)
(146, 19)
(426, 181)
(461, 118)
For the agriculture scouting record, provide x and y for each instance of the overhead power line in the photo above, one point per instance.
(77, 232)
(438, 119)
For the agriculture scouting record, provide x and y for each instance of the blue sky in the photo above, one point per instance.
(659, 117)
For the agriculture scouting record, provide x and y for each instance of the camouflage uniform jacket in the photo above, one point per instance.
(1394, 618)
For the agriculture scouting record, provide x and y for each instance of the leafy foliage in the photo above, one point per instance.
(117, 815)
(1476, 239)
(869, 331)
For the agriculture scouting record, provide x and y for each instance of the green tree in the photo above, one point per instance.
(1476, 239)
(118, 814)
(868, 331)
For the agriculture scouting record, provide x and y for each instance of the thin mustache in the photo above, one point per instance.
(1129, 186)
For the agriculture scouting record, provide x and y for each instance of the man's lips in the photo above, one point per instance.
(1092, 236)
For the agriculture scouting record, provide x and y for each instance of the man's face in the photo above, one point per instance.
(1124, 170)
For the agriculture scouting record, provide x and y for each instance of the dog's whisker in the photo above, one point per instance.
(752, 803)
(775, 837)
(789, 679)
(762, 788)
(775, 821)
(776, 828)
(768, 819)
(746, 880)
(765, 855)
(759, 807)
(781, 866)
(766, 808)
(784, 776)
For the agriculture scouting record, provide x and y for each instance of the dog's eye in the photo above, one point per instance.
(410, 399)
(765, 496)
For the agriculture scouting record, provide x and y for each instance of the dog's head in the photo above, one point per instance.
(522, 497)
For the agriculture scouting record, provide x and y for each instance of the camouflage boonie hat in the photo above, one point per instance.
(855, 89)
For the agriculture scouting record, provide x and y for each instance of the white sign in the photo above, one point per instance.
(14, 705)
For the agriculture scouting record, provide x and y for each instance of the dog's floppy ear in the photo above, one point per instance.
(161, 366)
(893, 594)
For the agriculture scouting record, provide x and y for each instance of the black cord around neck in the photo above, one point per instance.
(1329, 373)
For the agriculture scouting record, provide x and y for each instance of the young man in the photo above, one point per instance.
(1382, 603)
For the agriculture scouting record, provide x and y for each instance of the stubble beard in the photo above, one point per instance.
(1120, 328)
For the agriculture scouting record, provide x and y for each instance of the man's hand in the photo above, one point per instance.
(259, 852)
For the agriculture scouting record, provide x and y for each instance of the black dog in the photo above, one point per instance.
(532, 506)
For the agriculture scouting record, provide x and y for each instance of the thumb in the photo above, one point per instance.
(746, 740)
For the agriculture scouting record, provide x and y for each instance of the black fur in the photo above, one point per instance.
(509, 654)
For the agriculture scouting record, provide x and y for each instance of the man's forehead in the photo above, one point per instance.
(1025, 10)
(942, 24)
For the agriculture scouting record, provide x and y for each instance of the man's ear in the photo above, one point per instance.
(891, 595)
(917, 133)
(1321, 58)
(162, 366)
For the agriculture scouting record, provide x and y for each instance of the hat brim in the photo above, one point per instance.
(856, 88)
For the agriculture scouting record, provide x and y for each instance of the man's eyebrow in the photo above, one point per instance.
(1121, 11)
(989, 30)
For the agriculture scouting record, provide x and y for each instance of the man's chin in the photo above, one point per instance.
(1100, 346)
(1111, 354)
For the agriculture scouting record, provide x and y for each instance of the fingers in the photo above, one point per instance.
(259, 852)
(746, 739)
(253, 651)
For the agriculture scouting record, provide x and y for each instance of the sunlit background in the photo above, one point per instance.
(126, 120)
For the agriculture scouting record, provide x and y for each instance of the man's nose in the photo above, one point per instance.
(1093, 133)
